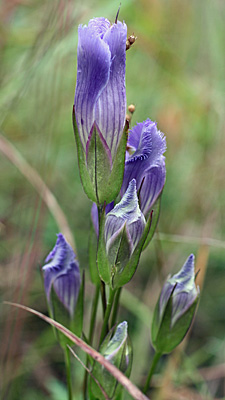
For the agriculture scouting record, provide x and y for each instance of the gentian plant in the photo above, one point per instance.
(123, 173)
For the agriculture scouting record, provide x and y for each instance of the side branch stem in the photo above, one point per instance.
(68, 372)
(151, 371)
(107, 315)
(115, 307)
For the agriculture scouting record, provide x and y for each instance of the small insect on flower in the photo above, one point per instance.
(130, 41)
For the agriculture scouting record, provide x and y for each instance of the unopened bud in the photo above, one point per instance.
(118, 351)
(175, 309)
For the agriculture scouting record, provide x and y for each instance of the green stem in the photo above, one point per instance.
(91, 332)
(107, 315)
(93, 315)
(151, 371)
(68, 372)
(115, 307)
(104, 305)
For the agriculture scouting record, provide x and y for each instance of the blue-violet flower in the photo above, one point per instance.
(100, 96)
(145, 162)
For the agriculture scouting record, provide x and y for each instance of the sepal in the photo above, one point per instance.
(76, 325)
(99, 163)
(155, 219)
(84, 175)
(120, 278)
(164, 337)
(102, 259)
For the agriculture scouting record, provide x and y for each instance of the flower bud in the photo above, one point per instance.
(117, 350)
(62, 274)
(124, 227)
(175, 308)
(100, 108)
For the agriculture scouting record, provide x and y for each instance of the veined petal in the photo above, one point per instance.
(152, 186)
(145, 149)
(93, 70)
(67, 288)
(147, 141)
(111, 106)
(99, 25)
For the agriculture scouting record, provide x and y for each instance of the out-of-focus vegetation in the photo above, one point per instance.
(175, 75)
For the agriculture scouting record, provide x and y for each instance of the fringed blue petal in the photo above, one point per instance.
(145, 163)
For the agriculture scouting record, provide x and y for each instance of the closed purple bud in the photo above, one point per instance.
(125, 220)
(145, 162)
(175, 308)
(183, 289)
(100, 96)
(62, 274)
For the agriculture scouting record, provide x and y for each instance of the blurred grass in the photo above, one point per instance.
(175, 75)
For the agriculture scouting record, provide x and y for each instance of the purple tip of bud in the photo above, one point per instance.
(183, 290)
(62, 273)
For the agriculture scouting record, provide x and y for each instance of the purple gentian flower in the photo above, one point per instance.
(62, 273)
(183, 290)
(100, 96)
(145, 162)
(125, 218)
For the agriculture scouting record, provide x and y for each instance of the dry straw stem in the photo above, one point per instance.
(42, 189)
(125, 382)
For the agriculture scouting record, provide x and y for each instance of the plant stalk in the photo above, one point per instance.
(68, 372)
(107, 315)
(115, 306)
(151, 371)
(91, 332)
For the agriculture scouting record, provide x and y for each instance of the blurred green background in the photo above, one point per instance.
(175, 76)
